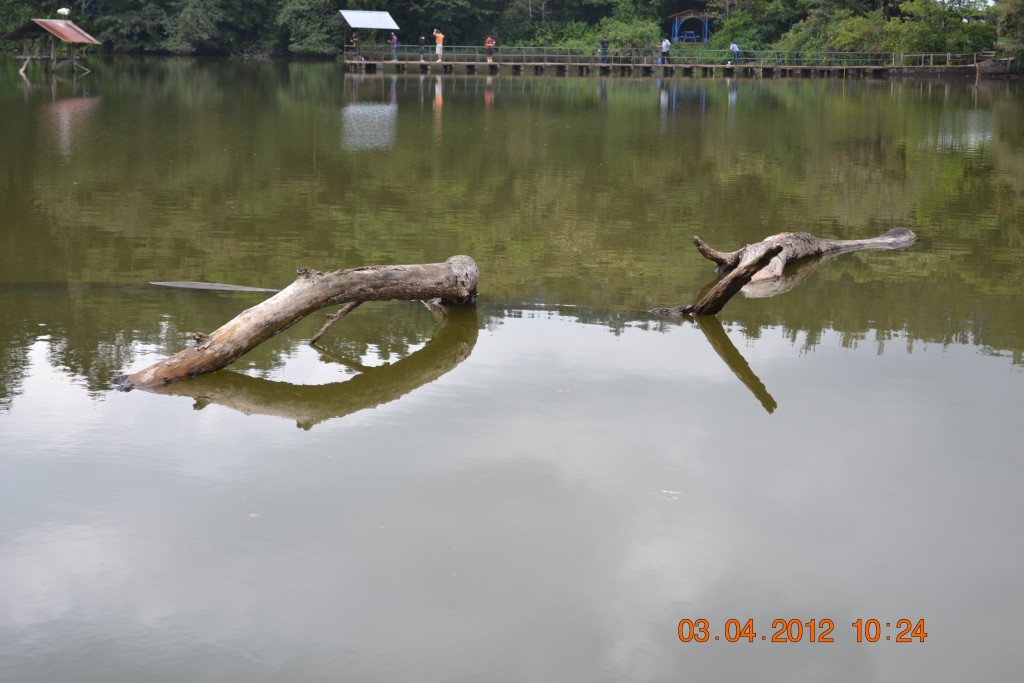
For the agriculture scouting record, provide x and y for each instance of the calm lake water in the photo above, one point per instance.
(543, 487)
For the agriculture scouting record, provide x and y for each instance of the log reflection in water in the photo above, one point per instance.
(309, 405)
(712, 328)
(795, 274)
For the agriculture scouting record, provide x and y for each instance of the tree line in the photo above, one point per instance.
(303, 27)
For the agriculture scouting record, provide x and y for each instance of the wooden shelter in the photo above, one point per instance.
(354, 20)
(49, 32)
(690, 26)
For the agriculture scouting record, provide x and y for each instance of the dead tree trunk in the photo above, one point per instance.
(799, 245)
(719, 295)
(765, 261)
(453, 281)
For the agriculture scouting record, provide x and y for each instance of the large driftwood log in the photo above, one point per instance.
(765, 261)
(453, 281)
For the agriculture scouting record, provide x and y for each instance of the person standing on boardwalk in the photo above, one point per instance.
(355, 47)
(735, 53)
(394, 47)
(439, 39)
(604, 50)
(423, 48)
(489, 49)
(665, 46)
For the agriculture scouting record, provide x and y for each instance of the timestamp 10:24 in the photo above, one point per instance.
(796, 630)
(870, 630)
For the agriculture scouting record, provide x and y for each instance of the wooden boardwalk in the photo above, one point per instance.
(519, 68)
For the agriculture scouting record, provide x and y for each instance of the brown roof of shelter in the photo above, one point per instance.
(62, 28)
(691, 14)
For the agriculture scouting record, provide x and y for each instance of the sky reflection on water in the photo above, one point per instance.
(543, 488)
(536, 513)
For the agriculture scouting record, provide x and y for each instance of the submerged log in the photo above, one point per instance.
(453, 281)
(214, 287)
(765, 261)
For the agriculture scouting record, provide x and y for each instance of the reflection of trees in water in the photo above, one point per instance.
(311, 404)
(85, 335)
(93, 333)
(208, 211)
(377, 333)
(16, 338)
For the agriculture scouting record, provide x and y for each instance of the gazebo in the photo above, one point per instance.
(362, 19)
(352, 18)
(51, 30)
(696, 30)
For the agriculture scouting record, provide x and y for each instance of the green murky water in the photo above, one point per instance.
(544, 486)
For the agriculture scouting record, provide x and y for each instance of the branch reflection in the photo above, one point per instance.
(794, 274)
(712, 328)
(309, 405)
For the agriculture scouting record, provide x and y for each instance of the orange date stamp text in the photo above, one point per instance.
(800, 631)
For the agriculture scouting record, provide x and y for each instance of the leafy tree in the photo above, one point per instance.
(194, 26)
(742, 29)
(922, 26)
(308, 29)
(302, 27)
(14, 12)
(780, 15)
(934, 26)
(861, 33)
(133, 25)
(1010, 14)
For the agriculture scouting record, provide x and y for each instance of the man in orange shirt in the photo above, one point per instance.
(439, 39)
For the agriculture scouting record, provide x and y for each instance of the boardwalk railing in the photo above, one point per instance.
(681, 54)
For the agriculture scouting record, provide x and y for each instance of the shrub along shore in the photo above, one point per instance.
(303, 28)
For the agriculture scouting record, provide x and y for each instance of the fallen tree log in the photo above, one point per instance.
(723, 290)
(765, 261)
(799, 245)
(453, 281)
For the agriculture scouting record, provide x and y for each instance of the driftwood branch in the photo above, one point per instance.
(453, 281)
(725, 289)
(716, 298)
(765, 261)
(333, 318)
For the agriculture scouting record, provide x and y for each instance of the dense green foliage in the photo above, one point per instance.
(303, 27)
(1011, 26)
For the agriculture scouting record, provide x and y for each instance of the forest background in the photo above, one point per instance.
(302, 28)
